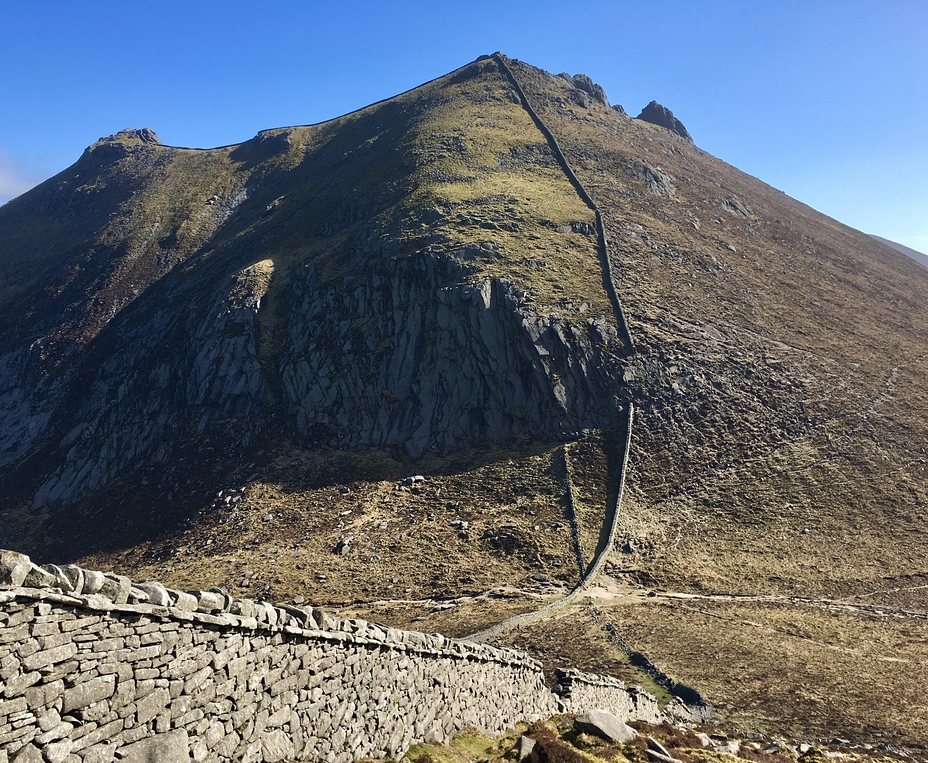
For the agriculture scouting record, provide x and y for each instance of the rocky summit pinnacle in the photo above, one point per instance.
(662, 116)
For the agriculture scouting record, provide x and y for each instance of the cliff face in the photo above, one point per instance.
(423, 357)
(391, 278)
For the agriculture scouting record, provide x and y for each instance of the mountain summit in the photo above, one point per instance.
(393, 357)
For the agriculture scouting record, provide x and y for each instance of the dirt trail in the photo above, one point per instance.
(612, 592)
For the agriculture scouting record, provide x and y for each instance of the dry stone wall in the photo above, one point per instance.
(585, 691)
(94, 668)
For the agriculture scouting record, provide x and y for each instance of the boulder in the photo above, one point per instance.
(94, 581)
(605, 725)
(39, 578)
(14, 567)
(157, 594)
(76, 577)
(116, 588)
(61, 581)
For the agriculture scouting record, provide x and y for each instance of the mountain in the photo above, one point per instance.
(915, 255)
(390, 363)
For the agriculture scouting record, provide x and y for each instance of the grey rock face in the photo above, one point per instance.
(171, 373)
(21, 414)
(415, 353)
(662, 116)
(659, 182)
(418, 357)
(735, 206)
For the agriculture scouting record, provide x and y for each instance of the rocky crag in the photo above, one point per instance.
(331, 280)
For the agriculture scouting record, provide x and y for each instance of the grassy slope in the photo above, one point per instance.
(87, 242)
(783, 455)
(509, 198)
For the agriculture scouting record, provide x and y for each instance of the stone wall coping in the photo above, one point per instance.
(567, 676)
(23, 580)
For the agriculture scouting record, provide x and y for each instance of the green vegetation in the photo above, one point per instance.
(488, 172)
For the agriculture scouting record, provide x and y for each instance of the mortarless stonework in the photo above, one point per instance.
(94, 667)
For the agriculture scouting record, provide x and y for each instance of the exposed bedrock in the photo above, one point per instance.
(168, 374)
(411, 357)
(414, 353)
(22, 417)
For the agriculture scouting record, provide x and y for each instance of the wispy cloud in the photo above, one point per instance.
(15, 178)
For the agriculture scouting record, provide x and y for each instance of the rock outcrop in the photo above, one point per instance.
(420, 356)
(279, 284)
(662, 116)
(586, 85)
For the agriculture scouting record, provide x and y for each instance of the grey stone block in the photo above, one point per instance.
(605, 725)
(171, 747)
(28, 754)
(13, 568)
(88, 692)
(103, 753)
(157, 594)
(57, 752)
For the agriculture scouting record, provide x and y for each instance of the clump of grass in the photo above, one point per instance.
(552, 749)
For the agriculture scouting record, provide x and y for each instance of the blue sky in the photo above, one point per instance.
(826, 100)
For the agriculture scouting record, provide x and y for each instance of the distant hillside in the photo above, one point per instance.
(914, 254)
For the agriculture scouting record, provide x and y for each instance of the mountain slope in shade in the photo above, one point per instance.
(224, 367)
(906, 250)
(325, 276)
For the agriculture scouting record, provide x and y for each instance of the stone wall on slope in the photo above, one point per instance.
(94, 667)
